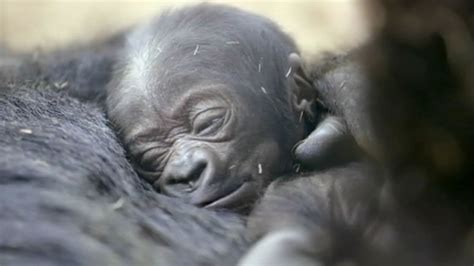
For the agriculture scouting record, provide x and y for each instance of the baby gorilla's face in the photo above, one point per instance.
(210, 145)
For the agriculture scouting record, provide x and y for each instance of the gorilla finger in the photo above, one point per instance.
(328, 145)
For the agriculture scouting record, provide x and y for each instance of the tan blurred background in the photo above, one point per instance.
(317, 25)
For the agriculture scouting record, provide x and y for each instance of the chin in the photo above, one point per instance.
(240, 199)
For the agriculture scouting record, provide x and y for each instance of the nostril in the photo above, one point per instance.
(183, 179)
(196, 173)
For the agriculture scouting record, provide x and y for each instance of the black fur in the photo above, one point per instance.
(81, 71)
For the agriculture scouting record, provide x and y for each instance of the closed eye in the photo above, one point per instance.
(152, 158)
(209, 122)
(151, 176)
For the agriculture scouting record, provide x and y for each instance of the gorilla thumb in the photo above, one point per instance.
(330, 144)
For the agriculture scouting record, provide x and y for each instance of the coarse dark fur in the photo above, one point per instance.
(82, 70)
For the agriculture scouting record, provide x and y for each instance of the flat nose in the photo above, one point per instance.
(184, 172)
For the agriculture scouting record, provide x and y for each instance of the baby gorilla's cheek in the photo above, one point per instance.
(268, 161)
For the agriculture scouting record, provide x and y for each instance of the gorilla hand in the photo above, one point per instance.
(342, 134)
(330, 144)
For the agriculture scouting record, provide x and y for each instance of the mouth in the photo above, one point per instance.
(242, 195)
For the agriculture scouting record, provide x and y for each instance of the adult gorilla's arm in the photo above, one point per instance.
(315, 219)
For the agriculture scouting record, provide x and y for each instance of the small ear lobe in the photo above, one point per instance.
(301, 87)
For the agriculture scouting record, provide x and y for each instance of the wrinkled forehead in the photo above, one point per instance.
(180, 91)
(160, 101)
(174, 101)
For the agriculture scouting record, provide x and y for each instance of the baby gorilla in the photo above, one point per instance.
(209, 101)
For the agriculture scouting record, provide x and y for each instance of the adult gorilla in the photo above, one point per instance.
(406, 98)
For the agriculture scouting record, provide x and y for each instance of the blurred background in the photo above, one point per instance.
(316, 25)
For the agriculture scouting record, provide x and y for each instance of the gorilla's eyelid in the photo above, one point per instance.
(148, 175)
(142, 151)
(145, 136)
(209, 121)
(153, 158)
(154, 149)
(211, 109)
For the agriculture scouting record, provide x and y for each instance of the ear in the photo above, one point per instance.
(302, 91)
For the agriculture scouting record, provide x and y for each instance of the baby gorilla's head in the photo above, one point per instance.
(209, 105)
